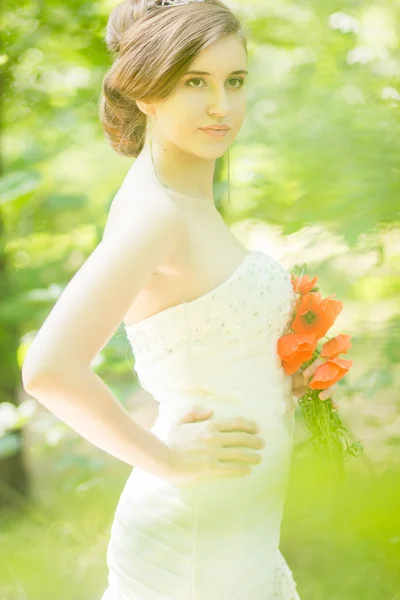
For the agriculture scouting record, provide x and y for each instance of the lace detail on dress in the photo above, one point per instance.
(256, 300)
(285, 587)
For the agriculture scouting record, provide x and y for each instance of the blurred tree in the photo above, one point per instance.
(13, 474)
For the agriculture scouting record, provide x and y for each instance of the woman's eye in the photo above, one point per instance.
(239, 79)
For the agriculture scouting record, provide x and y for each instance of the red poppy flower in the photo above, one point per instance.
(315, 315)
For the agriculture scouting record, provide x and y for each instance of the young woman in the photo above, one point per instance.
(199, 517)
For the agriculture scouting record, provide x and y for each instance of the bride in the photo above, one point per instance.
(199, 517)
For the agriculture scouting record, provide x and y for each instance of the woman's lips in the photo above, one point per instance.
(216, 132)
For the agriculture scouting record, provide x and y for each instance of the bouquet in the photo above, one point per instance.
(312, 317)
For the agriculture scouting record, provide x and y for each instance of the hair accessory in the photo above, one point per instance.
(175, 2)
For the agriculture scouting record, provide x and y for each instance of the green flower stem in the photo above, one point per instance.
(327, 431)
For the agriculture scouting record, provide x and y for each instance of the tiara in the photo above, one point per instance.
(175, 2)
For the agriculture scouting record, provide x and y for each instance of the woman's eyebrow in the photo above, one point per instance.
(205, 72)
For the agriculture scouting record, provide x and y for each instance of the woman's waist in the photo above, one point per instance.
(250, 401)
(173, 382)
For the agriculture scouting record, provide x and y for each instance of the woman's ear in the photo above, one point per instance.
(144, 107)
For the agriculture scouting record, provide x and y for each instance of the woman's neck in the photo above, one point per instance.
(183, 188)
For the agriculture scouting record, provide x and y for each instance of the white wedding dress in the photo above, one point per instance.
(216, 539)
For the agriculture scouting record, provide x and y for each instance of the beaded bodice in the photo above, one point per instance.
(219, 343)
(257, 297)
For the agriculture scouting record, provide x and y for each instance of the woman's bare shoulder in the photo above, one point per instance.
(139, 197)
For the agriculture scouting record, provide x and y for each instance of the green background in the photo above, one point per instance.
(314, 171)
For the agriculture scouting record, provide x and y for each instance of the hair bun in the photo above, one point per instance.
(126, 14)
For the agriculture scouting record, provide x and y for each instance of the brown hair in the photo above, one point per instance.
(154, 46)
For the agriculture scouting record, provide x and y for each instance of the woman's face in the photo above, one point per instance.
(201, 100)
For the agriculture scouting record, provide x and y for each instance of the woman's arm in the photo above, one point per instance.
(84, 402)
(57, 370)
(143, 407)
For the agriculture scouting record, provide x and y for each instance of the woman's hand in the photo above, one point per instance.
(301, 378)
(199, 447)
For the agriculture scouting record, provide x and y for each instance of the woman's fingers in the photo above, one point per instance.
(310, 370)
(328, 392)
(297, 380)
(300, 381)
